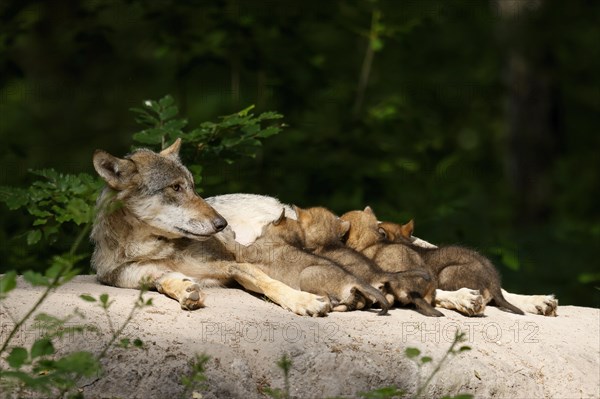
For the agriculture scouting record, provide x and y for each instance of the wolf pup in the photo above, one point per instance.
(474, 271)
(323, 234)
(364, 237)
(152, 229)
(278, 252)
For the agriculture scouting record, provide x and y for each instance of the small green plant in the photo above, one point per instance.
(285, 364)
(39, 368)
(195, 381)
(415, 355)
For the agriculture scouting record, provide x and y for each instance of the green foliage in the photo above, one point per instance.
(285, 364)
(195, 381)
(384, 393)
(8, 282)
(54, 200)
(235, 135)
(40, 369)
(414, 354)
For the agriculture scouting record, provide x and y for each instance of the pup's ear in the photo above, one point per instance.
(116, 172)
(344, 228)
(408, 229)
(369, 210)
(172, 150)
(382, 233)
(299, 212)
(280, 219)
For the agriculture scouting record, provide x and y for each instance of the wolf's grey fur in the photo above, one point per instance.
(152, 228)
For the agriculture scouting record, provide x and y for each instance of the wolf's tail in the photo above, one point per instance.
(501, 302)
(375, 295)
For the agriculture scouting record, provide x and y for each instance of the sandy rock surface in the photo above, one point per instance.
(339, 355)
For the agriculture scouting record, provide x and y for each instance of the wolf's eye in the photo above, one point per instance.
(176, 187)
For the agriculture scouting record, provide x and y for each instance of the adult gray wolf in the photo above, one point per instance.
(153, 229)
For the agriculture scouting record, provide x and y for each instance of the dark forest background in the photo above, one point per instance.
(479, 119)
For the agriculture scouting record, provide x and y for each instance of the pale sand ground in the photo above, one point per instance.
(339, 355)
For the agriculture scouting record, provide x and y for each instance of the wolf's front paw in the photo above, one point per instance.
(307, 304)
(193, 298)
(469, 302)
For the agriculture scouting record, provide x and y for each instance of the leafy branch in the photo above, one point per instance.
(233, 136)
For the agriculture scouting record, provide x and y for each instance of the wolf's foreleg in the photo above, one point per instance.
(159, 276)
(303, 303)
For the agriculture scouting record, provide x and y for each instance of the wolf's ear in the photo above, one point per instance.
(280, 219)
(369, 210)
(344, 228)
(299, 211)
(116, 172)
(408, 229)
(172, 150)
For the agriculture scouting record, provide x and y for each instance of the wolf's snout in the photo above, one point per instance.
(219, 223)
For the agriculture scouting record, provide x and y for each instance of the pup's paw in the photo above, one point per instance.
(193, 298)
(307, 304)
(469, 302)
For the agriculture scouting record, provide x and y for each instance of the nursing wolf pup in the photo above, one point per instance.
(323, 234)
(364, 237)
(474, 271)
(278, 252)
(152, 229)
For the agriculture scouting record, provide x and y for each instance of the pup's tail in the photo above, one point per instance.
(374, 295)
(425, 308)
(501, 302)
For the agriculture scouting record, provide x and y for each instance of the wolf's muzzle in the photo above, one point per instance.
(219, 223)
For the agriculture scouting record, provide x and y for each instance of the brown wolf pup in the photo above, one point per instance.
(323, 233)
(469, 268)
(278, 252)
(364, 237)
(153, 229)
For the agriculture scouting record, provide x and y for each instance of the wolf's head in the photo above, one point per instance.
(158, 190)
(397, 232)
(284, 230)
(364, 229)
(322, 228)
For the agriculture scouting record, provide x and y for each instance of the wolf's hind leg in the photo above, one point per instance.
(545, 305)
(466, 301)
